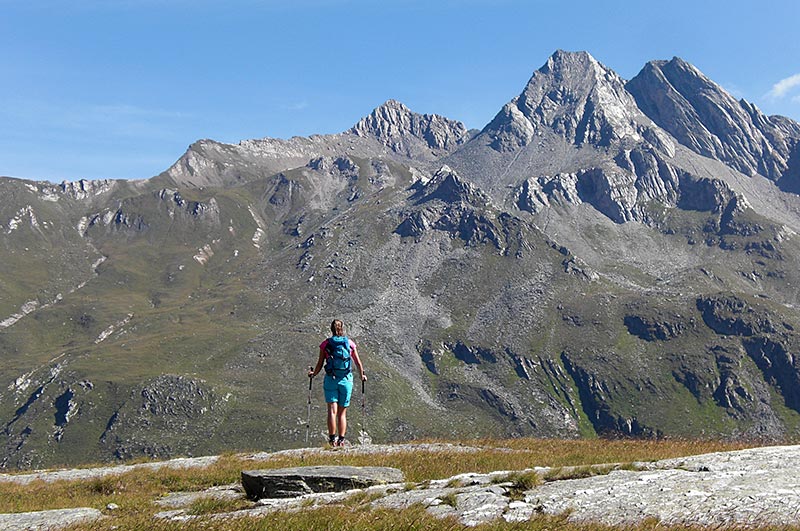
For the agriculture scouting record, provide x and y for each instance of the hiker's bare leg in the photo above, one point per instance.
(332, 412)
(341, 418)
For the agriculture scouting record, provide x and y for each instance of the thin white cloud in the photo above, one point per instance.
(782, 87)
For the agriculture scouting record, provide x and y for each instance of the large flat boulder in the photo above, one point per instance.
(292, 482)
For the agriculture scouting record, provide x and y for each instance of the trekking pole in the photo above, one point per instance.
(363, 410)
(308, 418)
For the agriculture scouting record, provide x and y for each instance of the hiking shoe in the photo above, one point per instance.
(341, 442)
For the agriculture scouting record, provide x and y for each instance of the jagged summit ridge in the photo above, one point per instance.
(572, 101)
(704, 117)
(575, 96)
(397, 127)
(580, 131)
(406, 134)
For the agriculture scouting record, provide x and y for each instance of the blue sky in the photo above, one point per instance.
(119, 88)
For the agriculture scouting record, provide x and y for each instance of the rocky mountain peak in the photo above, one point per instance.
(704, 117)
(406, 132)
(564, 64)
(390, 119)
(679, 66)
(575, 96)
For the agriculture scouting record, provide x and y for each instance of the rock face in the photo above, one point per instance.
(450, 204)
(575, 96)
(84, 188)
(293, 482)
(702, 116)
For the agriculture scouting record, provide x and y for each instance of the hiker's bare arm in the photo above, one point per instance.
(320, 361)
(357, 361)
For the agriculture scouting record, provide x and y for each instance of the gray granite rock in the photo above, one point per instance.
(179, 500)
(755, 487)
(48, 520)
(471, 505)
(76, 474)
(301, 503)
(292, 482)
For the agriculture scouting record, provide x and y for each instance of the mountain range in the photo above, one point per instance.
(605, 257)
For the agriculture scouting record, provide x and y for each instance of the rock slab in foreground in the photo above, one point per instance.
(55, 519)
(754, 487)
(297, 481)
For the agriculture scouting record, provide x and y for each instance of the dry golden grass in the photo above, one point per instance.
(527, 453)
(135, 491)
(559, 452)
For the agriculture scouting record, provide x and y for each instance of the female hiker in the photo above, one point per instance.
(336, 353)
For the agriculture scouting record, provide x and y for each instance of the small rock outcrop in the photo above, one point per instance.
(55, 519)
(449, 203)
(297, 481)
(657, 327)
(731, 315)
(181, 408)
(84, 188)
(447, 186)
